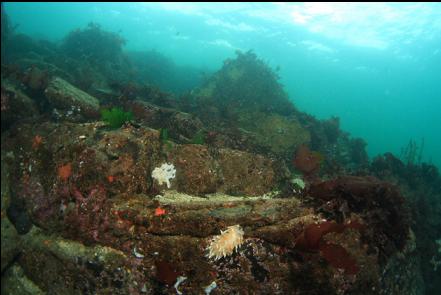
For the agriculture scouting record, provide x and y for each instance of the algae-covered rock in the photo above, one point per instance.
(246, 96)
(180, 126)
(10, 242)
(281, 135)
(142, 242)
(245, 83)
(197, 171)
(15, 282)
(64, 96)
(402, 273)
(61, 266)
(250, 174)
(15, 105)
(234, 172)
(106, 227)
(94, 44)
(49, 69)
(123, 161)
(141, 250)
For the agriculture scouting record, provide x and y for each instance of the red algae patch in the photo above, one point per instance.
(65, 171)
(338, 257)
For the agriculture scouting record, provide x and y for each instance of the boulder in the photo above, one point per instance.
(15, 105)
(10, 242)
(65, 97)
(14, 281)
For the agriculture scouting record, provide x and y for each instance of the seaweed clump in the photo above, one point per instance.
(379, 203)
(312, 239)
(93, 44)
(421, 185)
(198, 138)
(306, 161)
(161, 71)
(246, 84)
(115, 117)
(246, 98)
(95, 58)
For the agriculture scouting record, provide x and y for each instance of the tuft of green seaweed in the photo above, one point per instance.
(163, 135)
(164, 138)
(198, 138)
(115, 117)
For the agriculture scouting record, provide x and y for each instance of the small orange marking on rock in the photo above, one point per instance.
(65, 171)
(37, 141)
(159, 211)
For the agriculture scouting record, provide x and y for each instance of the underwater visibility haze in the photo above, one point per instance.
(221, 148)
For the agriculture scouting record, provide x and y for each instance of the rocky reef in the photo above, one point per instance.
(82, 214)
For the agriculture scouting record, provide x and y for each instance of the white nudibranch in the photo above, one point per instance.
(225, 243)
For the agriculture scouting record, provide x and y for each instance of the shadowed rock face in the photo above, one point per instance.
(380, 204)
(15, 105)
(10, 243)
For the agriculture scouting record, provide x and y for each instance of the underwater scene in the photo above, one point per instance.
(221, 148)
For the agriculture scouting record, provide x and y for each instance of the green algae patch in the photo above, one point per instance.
(115, 117)
(69, 250)
(234, 212)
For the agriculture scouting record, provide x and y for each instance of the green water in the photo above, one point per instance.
(377, 66)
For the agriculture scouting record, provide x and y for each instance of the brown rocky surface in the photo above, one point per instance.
(98, 223)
